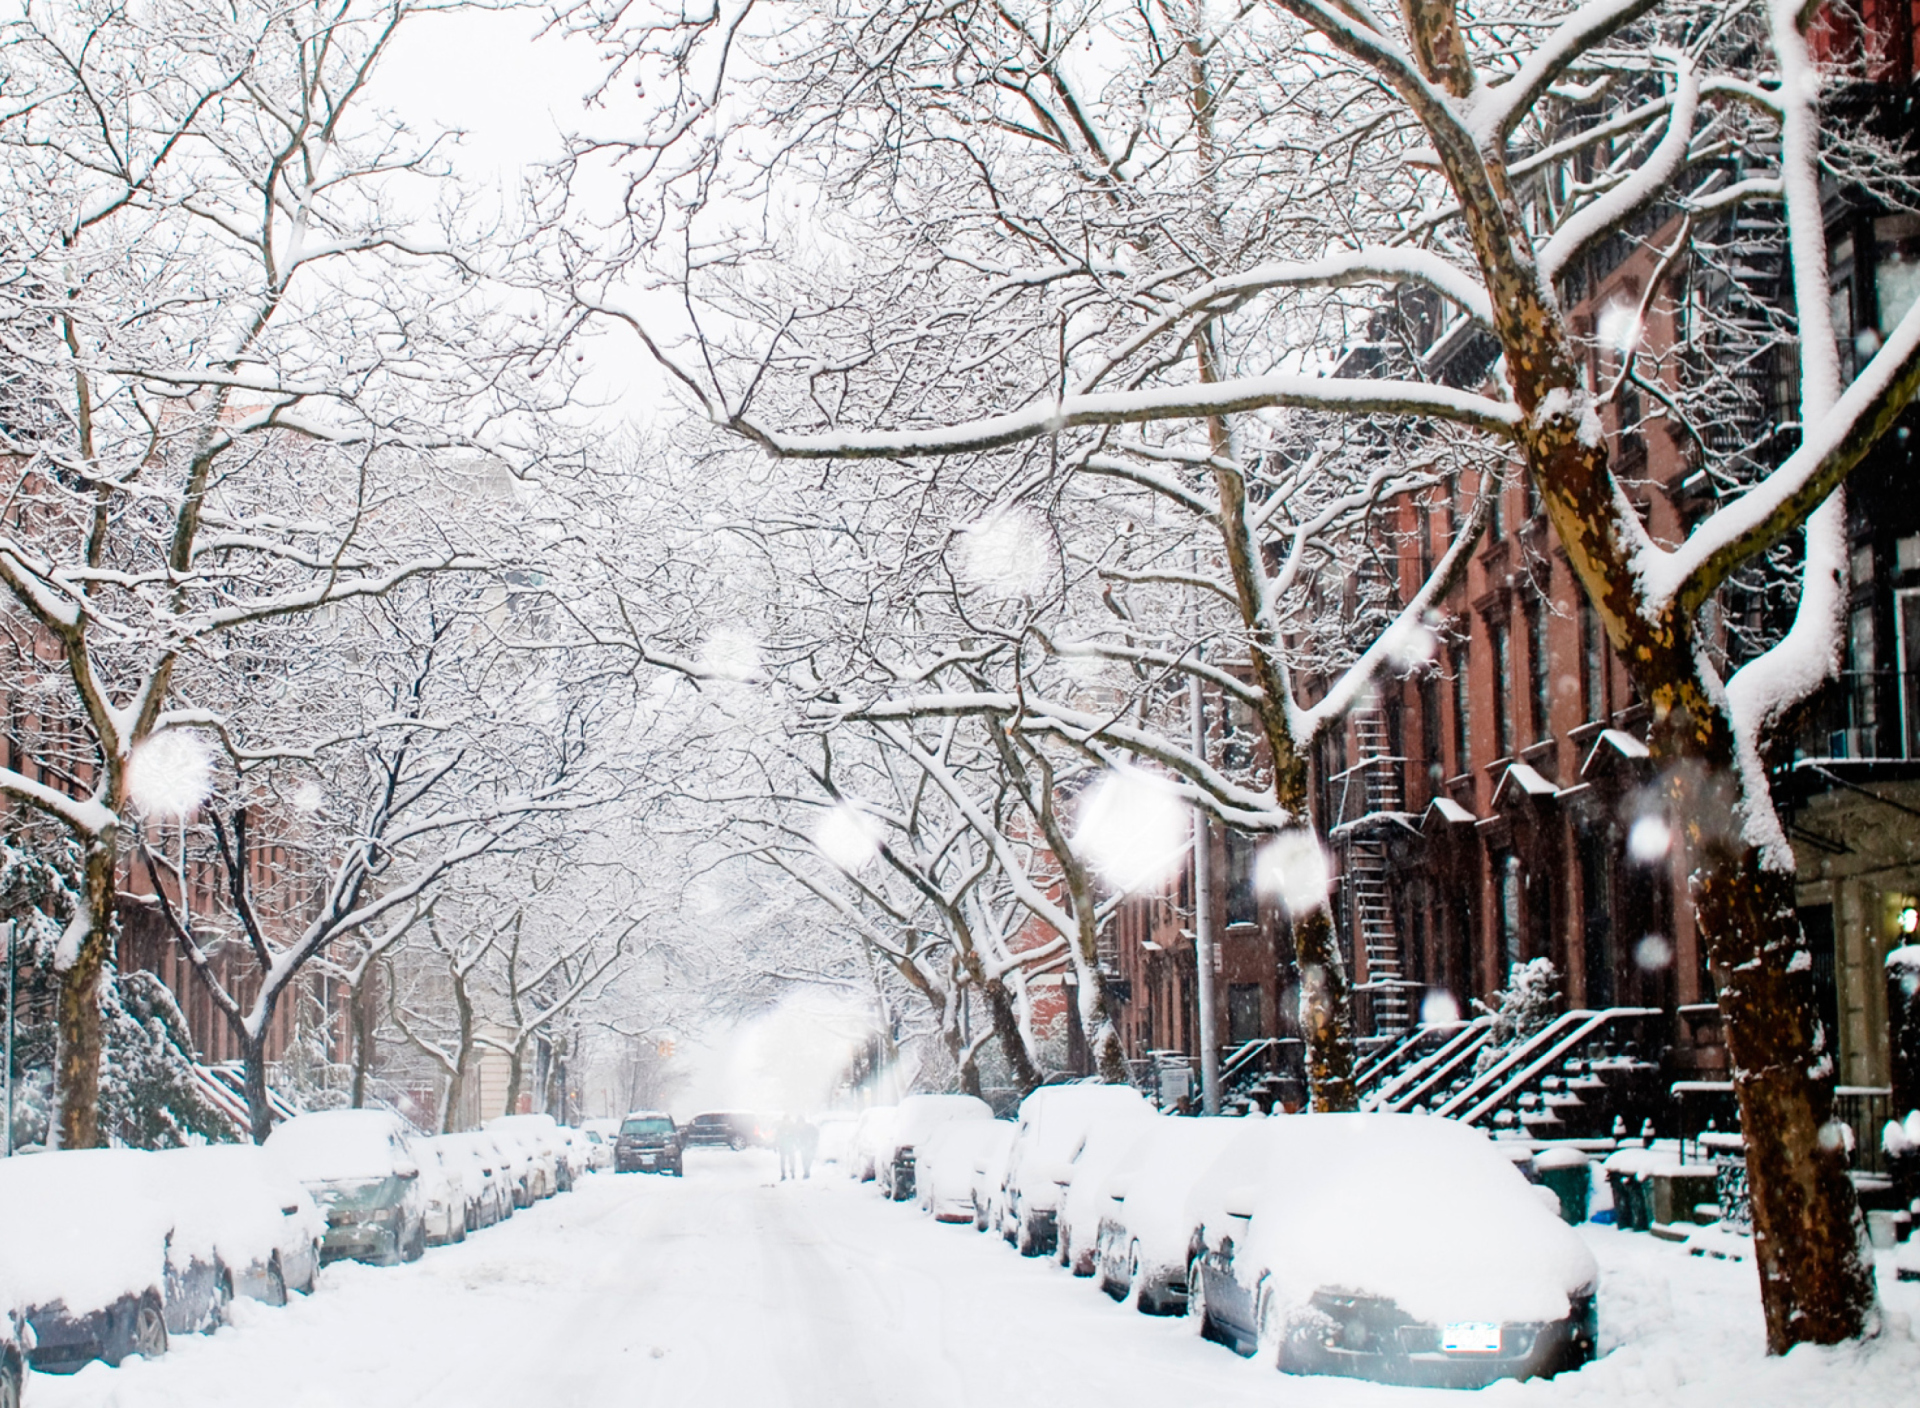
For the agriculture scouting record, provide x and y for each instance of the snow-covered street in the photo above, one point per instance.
(729, 1288)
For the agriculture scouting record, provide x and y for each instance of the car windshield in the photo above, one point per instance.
(652, 1125)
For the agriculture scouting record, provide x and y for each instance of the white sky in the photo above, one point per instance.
(512, 91)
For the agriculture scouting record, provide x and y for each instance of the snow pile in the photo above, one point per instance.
(1422, 1211)
(83, 1227)
(337, 1146)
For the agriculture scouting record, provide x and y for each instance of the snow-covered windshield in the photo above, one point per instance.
(343, 1146)
(651, 1124)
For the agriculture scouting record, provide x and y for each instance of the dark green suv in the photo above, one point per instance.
(649, 1141)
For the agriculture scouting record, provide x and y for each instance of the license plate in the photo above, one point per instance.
(1470, 1337)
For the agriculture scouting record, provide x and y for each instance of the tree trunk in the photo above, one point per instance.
(253, 1059)
(357, 1005)
(1013, 1041)
(516, 1065)
(1816, 1281)
(77, 1055)
(1326, 1012)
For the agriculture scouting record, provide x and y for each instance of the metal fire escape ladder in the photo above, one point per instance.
(1375, 930)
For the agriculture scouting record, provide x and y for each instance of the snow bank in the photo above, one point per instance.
(1422, 1211)
(83, 1227)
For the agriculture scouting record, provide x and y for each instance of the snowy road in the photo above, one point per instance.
(729, 1289)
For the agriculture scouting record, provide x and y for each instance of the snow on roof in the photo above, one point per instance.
(1527, 778)
(337, 1145)
(1451, 811)
(1614, 743)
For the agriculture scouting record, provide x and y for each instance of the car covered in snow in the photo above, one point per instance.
(600, 1136)
(914, 1119)
(947, 1162)
(263, 1228)
(1052, 1126)
(1401, 1248)
(1111, 1139)
(871, 1133)
(1145, 1236)
(649, 1142)
(443, 1192)
(100, 1264)
(990, 1175)
(489, 1181)
(363, 1172)
(551, 1170)
(836, 1137)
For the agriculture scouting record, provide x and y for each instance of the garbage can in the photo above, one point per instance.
(1630, 1176)
(1567, 1173)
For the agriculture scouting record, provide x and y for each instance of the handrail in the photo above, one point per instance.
(1421, 1077)
(1244, 1054)
(1593, 1023)
(1372, 1069)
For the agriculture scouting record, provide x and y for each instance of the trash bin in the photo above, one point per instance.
(1629, 1175)
(1567, 1173)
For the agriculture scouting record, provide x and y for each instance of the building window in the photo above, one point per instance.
(1593, 662)
(1462, 712)
(1240, 903)
(1430, 728)
(1502, 687)
(1540, 672)
(1496, 511)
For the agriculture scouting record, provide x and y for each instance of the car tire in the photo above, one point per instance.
(1025, 1240)
(12, 1373)
(313, 1275)
(736, 1144)
(221, 1311)
(147, 1336)
(1197, 1311)
(276, 1281)
(415, 1246)
(1270, 1346)
(1137, 1294)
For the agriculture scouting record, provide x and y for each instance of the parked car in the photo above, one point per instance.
(1083, 1200)
(944, 1164)
(600, 1136)
(539, 1136)
(1401, 1248)
(870, 1133)
(990, 1175)
(489, 1182)
(914, 1119)
(263, 1228)
(89, 1245)
(723, 1129)
(443, 1192)
(649, 1142)
(364, 1174)
(1145, 1238)
(516, 1164)
(1053, 1124)
(836, 1137)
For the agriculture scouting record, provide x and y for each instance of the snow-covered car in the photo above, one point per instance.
(990, 1175)
(1111, 1139)
(361, 1170)
(649, 1142)
(539, 1136)
(489, 1187)
(514, 1164)
(88, 1244)
(944, 1166)
(263, 1228)
(870, 1133)
(914, 1119)
(1145, 1239)
(1401, 1248)
(723, 1129)
(1053, 1124)
(443, 1192)
(600, 1136)
(836, 1137)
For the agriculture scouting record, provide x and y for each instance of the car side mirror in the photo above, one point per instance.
(1239, 1203)
(406, 1170)
(290, 1209)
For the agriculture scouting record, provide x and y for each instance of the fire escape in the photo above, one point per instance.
(1371, 801)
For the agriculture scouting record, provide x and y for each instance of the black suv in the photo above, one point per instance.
(648, 1140)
